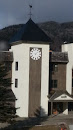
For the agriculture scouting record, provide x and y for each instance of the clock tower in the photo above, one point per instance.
(30, 47)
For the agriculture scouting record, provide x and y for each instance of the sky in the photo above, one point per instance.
(17, 11)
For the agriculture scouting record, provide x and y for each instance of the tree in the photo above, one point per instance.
(7, 109)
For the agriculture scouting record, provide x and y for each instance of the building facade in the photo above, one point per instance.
(42, 81)
(59, 96)
(30, 78)
(30, 70)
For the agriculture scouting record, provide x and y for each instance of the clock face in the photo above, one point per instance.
(35, 54)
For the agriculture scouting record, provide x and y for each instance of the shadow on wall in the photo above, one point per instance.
(20, 123)
(40, 111)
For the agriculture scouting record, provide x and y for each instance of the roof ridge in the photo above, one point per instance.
(52, 95)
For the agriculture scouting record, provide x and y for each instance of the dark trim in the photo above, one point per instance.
(61, 101)
(16, 66)
(32, 42)
(16, 83)
(34, 86)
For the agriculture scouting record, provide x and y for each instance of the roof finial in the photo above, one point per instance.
(30, 11)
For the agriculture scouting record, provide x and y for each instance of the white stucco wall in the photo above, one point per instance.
(69, 48)
(21, 54)
(71, 127)
(44, 80)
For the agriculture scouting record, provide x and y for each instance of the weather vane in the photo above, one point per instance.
(30, 11)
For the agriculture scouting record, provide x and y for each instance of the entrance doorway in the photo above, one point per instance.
(57, 107)
(70, 107)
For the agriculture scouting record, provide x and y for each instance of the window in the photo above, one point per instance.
(55, 67)
(54, 84)
(16, 83)
(16, 65)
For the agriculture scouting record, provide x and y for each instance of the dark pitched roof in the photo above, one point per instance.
(6, 56)
(61, 57)
(59, 93)
(30, 32)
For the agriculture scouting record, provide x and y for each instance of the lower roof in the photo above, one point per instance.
(59, 93)
(6, 56)
(60, 57)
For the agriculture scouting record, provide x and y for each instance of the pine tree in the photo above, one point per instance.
(7, 110)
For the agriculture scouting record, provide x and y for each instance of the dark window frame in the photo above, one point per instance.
(16, 83)
(54, 67)
(54, 83)
(16, 65)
